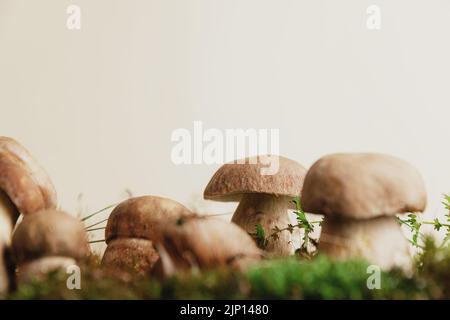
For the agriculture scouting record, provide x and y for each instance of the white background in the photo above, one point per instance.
(97, 106)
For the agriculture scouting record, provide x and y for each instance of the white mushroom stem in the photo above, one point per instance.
(8, 218)
(379, 240)
(37, 269)
(269, 211)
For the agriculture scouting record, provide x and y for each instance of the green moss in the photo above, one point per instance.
(289, 278)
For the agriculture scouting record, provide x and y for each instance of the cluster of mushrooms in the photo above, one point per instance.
(359, 195)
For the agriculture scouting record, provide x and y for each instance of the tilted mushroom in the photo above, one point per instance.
(47, 241)
(24, 188)
(360, 194)
(204, 243)
(263, 199)
(132, 228)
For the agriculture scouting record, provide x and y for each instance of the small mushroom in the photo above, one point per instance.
(132, 228)
(360, 194)
(263, 199)
(24, 188)
(47, 241)
(195, 242)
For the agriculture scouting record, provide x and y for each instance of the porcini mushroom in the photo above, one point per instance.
(47, 241)
(24, 188)
(360, 194)
(195, 242)
(263, 199)
(132, 228)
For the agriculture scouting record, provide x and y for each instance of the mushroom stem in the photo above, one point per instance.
(130, 254)
(37, 269)
(269, 211)
(379, 240)
(8, 218)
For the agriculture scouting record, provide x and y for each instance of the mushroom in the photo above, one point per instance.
(360, 194)
(47, 241)
(263, 199)
(24, 188)
(132, 228)
(201, 242)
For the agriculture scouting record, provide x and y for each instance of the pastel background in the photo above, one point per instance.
(97, 106)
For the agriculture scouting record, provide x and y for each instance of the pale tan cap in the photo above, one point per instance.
(49, 233)
(243, 176)
(363, 186)
(23, 179)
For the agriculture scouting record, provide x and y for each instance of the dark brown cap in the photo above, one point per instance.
(141, 217)
(244, 176)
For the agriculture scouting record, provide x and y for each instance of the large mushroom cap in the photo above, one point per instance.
(49, 233)
(140, 217)
(363, 186)
(23, 180)
(207, 242)
(244, 176)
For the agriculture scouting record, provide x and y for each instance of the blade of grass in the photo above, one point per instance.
(218, 214)
(95, 229)
(95, 224)
(99, 211)
(95, 241)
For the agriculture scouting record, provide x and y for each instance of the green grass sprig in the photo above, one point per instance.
(302, 224)
(413, 223)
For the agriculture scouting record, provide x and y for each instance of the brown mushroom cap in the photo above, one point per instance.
(49, 233)
(244, 176)
(23, 180)
(207, 242)
(363, 186)
(141, 217)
